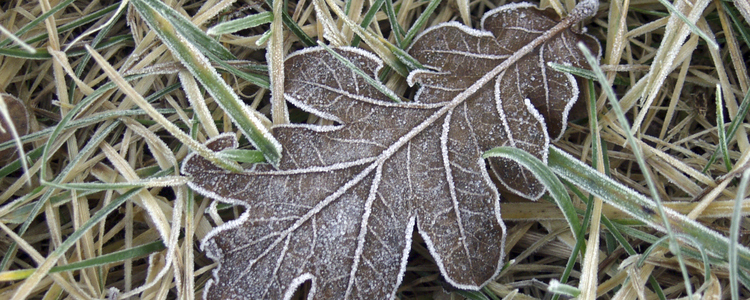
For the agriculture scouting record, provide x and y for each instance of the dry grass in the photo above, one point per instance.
(667, 87)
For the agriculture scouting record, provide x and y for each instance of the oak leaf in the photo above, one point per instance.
(340, 208)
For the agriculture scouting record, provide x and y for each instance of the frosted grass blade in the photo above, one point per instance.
(18, 40)
(692, 26)
(240, 24)
(550, 181)
(721, 130)
(640, 207)
(186, 29)
(38, 20)
(199, 66)
(734, 236)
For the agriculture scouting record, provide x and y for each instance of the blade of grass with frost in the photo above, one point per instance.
(733, 126)
(16, 164)
(42, 54)
(166, 181)
(18, 41)
(691, 25)
(275, 60)
(721, 129)
(37, 21)
(207, 45)
(595, 148)
(199, 66)
(371, 81)
(128, 90)
(242, 155)
(487, 291)
(186, 28)
(613, 229)
(369, 16)
(563, 289)
(410, 63)
(198, 103)
(84, 153)
(639, 206)
(53, 257)
(294, 28)
(544, 175)
(97, 138)
(83, 20)
(420, 22)
(18, 212)
(241, 24)
(369, 38)
(734, 235)
(93, 119)
(83, 104)
(588, 74)
(87, 57)
(635, 148)
(264, 38)
(396, 29)
(106, 259)
(706, 261)
(743, 30)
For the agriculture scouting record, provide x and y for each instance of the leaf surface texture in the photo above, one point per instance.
(340, 208)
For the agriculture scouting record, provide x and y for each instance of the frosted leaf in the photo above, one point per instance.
(459, 55)
(340, 209)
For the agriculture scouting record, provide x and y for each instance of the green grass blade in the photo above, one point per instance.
(94, 186)
(111, 258)
(76, 23)
(42, 54)
(403, 56)
(397, 31)
(692, 25)
(543, 174)
(615, 104)
(37, 21)
(412, 33)
(186, 29)
(241, 24)
(732, 130)
(85, 152)
(369, 16)
(294, 28)
(198, 65)
(18, 40)
(53, 257)
(563, 289)
(734, 236)
(371, 81)
(721, 130)
(640, 207)
(242, 155)
(743, 30)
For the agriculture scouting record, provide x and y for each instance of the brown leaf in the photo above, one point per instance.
(461, 55)
(341, 207)
(19, 117)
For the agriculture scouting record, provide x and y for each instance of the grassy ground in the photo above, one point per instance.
(102, 207)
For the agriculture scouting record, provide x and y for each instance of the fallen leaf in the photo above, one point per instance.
(460, 55)
(340, 208)
(19, 119)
